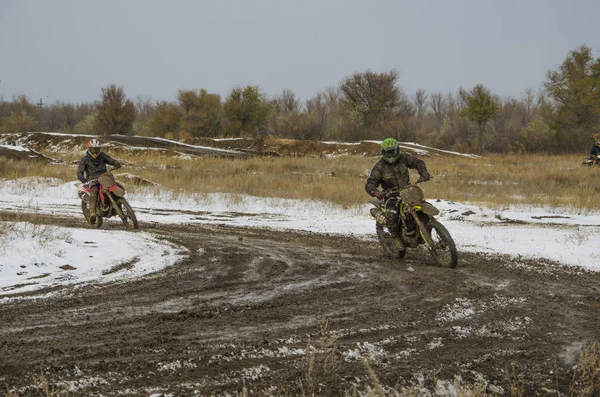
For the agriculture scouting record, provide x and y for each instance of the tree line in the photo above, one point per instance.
(562, 117)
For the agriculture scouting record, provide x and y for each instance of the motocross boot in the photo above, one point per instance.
(93, 205)
(396, 235)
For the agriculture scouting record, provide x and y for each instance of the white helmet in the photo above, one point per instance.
(94, 147)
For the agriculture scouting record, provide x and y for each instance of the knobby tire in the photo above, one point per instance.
(449, 256)
(128, 215)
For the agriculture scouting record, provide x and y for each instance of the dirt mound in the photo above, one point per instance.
(272, 146)
(150, 142)
(47, 142)
(20, 153)
(130, 179)
(225, 147)
(276, 147)
(118, 149)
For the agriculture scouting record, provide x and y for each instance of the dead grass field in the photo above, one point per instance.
(493, 180)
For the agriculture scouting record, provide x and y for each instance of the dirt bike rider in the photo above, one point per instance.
(392, 173)
(595, 151)
(91, 166)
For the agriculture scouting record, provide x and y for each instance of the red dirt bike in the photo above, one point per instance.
(110, 202)
(417, 226)
(592, 162)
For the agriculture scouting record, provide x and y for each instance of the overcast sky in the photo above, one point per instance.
(68, 50)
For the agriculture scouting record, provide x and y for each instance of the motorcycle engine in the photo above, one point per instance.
(410, 239)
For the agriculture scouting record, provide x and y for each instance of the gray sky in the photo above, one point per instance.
(68, 50)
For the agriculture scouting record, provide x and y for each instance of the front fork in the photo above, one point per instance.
(113, 202)
(422, 229)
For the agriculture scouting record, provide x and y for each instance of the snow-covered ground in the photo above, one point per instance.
(34, 256)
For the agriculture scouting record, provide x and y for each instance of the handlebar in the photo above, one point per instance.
(389, 193)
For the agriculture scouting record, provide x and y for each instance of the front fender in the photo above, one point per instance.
(429, 209)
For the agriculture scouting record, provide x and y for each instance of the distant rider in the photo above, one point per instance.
(391, 172)
(595, 151)
(91, 166)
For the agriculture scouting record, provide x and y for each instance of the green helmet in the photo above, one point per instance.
(390, 151)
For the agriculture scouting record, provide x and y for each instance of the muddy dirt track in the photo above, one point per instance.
(292, 314)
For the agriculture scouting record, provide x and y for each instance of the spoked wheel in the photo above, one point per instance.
(86, 213)
(388, 243)
(126, 214)
(444, 250)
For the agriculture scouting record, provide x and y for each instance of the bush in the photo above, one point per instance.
(115, 114)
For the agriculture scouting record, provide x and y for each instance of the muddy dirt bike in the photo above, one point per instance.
(110, 202)
(417, 226)
(591, 162)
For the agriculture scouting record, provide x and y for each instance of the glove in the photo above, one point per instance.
(378, 195)
(424, 176)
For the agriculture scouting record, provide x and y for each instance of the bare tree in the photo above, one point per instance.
(371, 96)
(420, 102)
(318, 109)
(420, 107)
(287, 103)
(439, 107)
(144, 108)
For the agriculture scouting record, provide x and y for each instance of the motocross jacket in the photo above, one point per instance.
(594, 152)
(91, 168)
(394, 175)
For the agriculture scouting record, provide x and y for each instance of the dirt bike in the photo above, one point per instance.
(110, 202)
(417, 226)
(592, 162)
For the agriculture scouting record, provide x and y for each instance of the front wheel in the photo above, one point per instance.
(126, 214)
(388, 244)
(444, 249)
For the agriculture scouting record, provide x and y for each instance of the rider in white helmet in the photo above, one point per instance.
(91, 166)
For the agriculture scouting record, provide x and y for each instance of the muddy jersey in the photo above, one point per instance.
(90, 168)
(594, 152)
(393, 175)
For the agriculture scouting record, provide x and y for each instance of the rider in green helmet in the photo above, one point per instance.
(390, 152)
(391, 172)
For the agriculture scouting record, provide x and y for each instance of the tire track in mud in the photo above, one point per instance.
(259, 305)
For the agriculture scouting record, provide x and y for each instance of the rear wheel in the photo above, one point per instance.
(126, 214)
(86, 213)
(388, 243)
(444, 249)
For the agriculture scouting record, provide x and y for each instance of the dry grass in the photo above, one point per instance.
(320, 361)
(586, 376)
(516, 386)
(493, 180)
(557, 181)
(40, 387)
(13, 169)
(20, 229)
